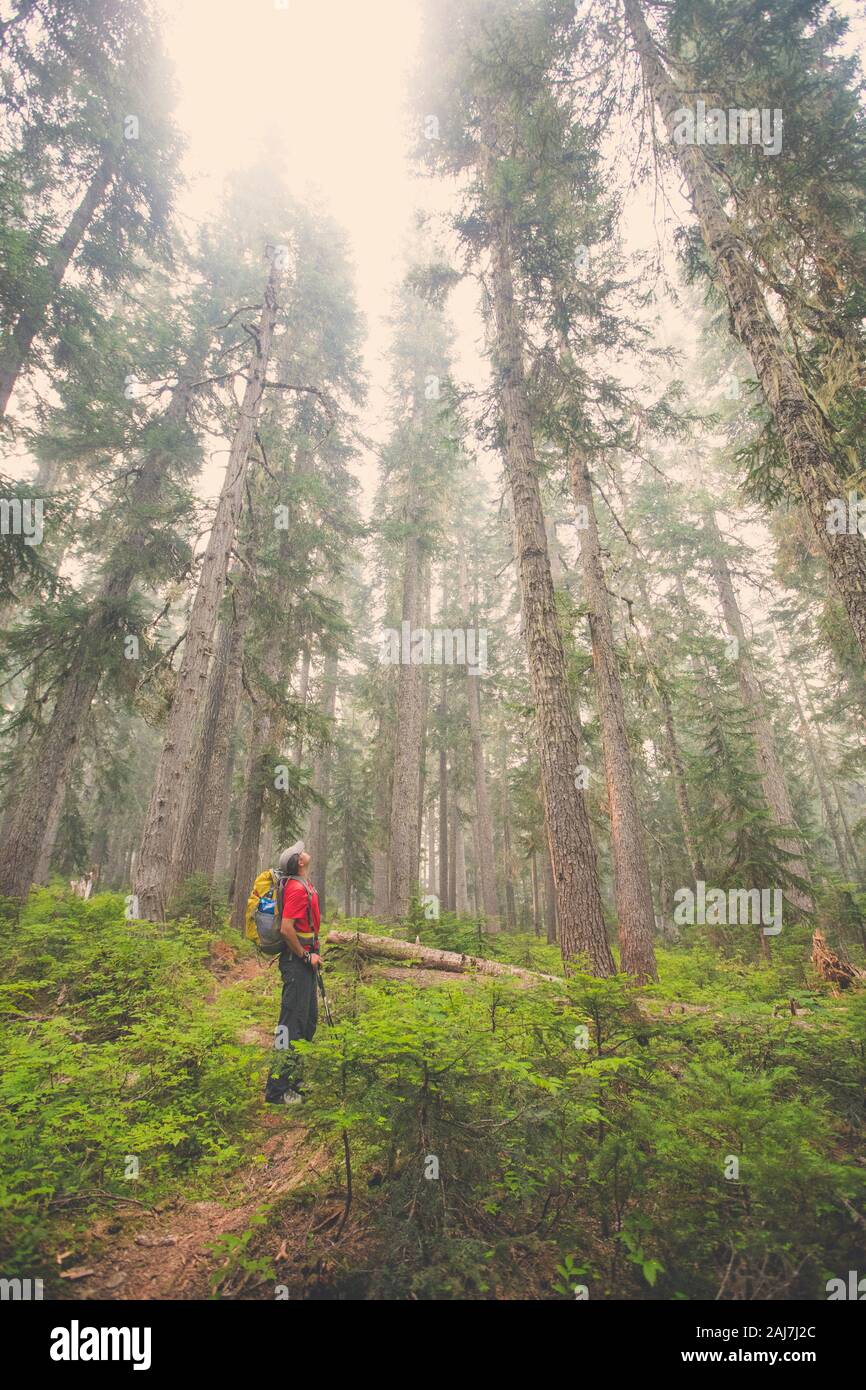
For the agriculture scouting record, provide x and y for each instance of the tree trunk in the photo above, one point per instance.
(155, 877)
(425, 709)
(485, 867)
(796, 417)
(632, 887)
(43, 863)
(206, 786)
(581, 921)
(817, 769)
(16, 349)
(265, 724)
(853, 852)
(317, 834)
(557, 573)
(391, 948)
(536, 905)
(225, 686)
(549, 900)
(770, 769)
(452, 856)
(461, 892)
(681, 790)
(303, 688)
(248, 867)
(507, 854)
(381, 872)
(673, 756)
(443, 796)
(403, 837)
(432, 882)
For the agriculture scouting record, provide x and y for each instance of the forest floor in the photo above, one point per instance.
(162, 1051)
(171, 1250)
(168, 1251)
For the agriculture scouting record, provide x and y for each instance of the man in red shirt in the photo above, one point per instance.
(299, 961)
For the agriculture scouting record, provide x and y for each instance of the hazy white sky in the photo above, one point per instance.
(324, 86)
(325, 90)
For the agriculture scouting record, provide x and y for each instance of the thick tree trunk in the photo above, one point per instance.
(632, 887)
(206, 784)
(248, 865)
(16, 774)
(155, 877)
(225, 686)
(581, 920)
(43, 863)
(15, 351)
(265, 726)
(796, 417)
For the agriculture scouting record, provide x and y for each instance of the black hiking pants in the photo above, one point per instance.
(298, 1019)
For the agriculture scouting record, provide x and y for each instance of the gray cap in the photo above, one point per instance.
(296, 848)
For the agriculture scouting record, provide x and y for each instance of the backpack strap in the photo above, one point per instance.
(309, 892)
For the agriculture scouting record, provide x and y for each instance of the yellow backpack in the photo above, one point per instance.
(265, 886)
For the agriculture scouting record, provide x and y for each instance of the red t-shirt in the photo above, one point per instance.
(295, 906)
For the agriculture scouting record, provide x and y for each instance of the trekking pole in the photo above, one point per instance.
(321, 984)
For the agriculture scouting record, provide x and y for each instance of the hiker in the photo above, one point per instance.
(299, 960)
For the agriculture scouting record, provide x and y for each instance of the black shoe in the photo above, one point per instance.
(290, 1098)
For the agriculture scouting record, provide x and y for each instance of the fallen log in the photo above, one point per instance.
(390, 948)
(413, 953)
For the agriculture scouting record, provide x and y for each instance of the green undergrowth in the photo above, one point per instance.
(697, 1138)
(118, 1078)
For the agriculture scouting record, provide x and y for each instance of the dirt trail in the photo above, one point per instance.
(166, 1253)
